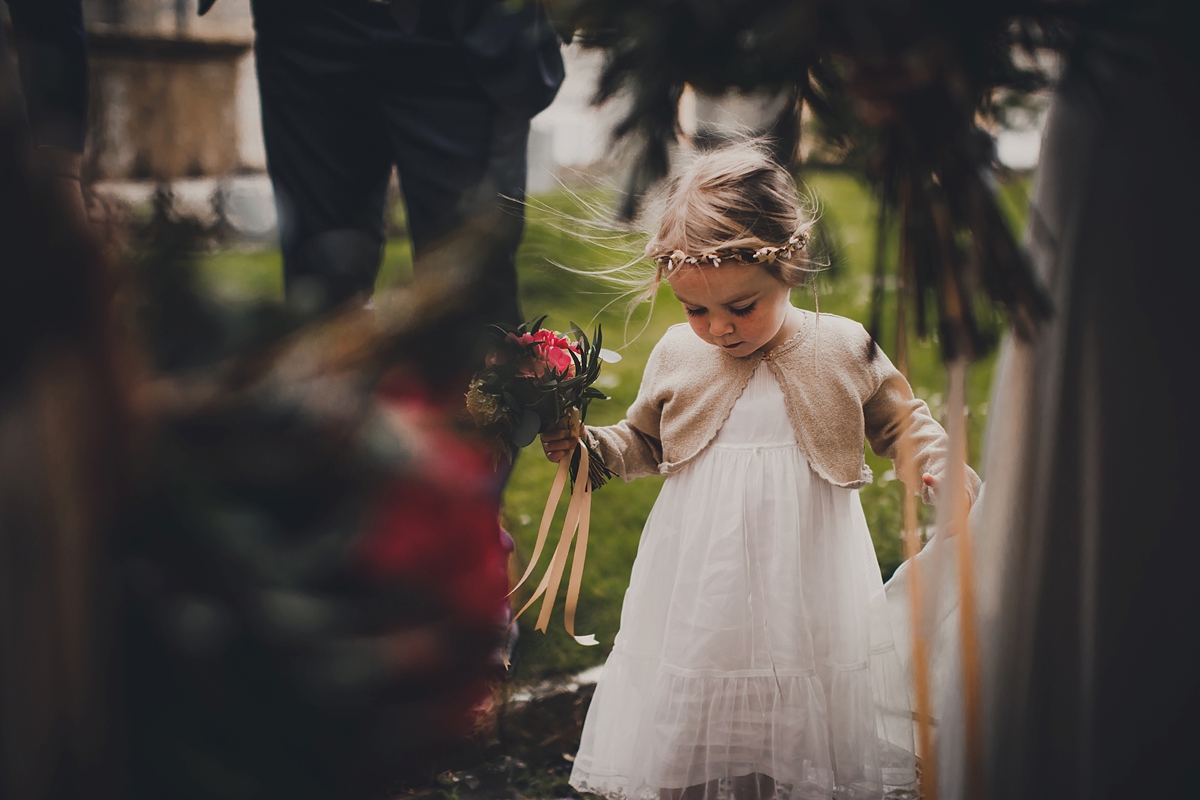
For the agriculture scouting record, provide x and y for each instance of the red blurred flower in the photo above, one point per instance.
(438, 528)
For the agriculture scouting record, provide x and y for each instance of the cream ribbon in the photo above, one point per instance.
(579, 515)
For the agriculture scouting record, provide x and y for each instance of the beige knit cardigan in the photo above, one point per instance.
(837, 394)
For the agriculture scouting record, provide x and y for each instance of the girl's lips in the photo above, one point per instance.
(732, 346)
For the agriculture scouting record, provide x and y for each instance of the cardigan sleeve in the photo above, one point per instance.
(633, 447)
(899, 427)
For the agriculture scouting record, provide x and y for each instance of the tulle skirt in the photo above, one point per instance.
(755, 650)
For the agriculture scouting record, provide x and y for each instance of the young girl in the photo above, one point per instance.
(755, 654)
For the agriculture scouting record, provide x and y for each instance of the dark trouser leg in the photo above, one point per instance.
(14, 125)
(462, 171)
(327, 153)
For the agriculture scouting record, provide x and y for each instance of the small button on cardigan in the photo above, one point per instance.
(837, 393)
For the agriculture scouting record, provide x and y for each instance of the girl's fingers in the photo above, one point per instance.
(931, 482)
(556, 454)
(556, 444)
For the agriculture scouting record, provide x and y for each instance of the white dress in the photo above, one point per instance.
(755, 636)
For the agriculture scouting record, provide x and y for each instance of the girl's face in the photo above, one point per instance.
(737, 307)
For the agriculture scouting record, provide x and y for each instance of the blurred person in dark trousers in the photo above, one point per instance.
(45, 101)
(444, 91)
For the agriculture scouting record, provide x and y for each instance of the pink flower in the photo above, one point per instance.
(560, 360)
(551, 351)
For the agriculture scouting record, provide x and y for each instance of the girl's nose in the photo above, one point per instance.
(718, 326)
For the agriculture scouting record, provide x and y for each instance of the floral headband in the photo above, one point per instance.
(677, 258)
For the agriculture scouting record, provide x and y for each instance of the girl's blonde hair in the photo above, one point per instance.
(734, 203)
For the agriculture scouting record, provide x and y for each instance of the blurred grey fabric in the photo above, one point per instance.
(1088, 544)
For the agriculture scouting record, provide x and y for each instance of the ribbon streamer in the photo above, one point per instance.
(922, 712)
(968, 632)
(578, 520)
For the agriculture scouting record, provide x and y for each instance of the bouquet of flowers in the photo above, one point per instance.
(534, 381)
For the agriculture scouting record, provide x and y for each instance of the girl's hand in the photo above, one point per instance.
(932, 483)
(558, 442)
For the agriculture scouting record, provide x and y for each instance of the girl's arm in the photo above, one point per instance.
(632, 448)
(627, 451)
(900, 427)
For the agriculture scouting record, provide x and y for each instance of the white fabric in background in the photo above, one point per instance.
(755, 635)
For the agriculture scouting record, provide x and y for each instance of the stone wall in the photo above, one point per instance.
(172, 94)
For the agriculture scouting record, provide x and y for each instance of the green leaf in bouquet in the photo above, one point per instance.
(527, 428)
(594, 354)
(503, 330)
(526, 392)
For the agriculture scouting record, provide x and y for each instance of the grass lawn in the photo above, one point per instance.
(620, 509)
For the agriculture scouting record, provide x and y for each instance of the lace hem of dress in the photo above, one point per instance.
(613, 788)
(607, 787)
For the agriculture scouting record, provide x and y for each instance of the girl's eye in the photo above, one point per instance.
(744, 310)
(694, 312)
